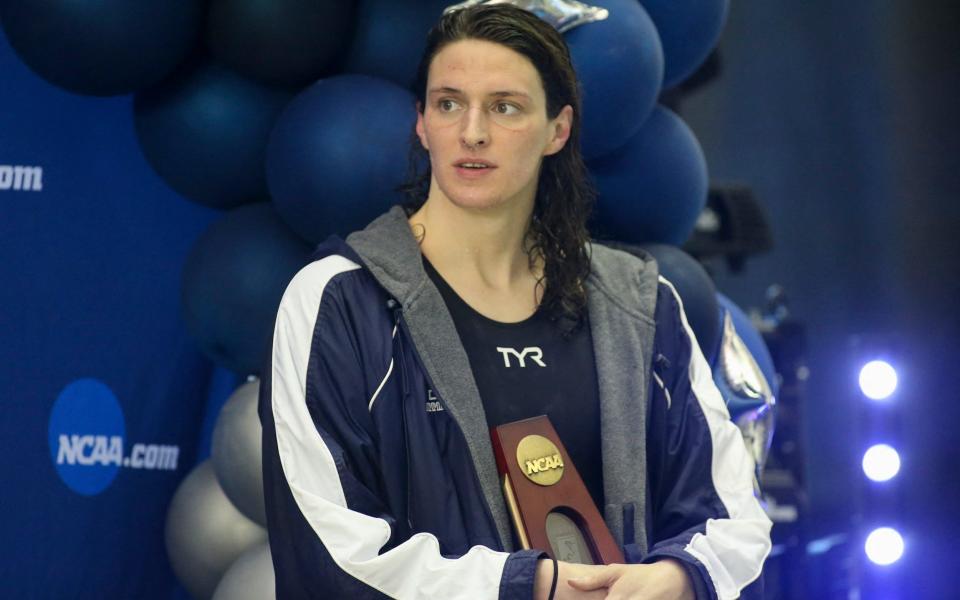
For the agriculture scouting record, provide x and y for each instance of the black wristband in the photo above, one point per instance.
(553, 584)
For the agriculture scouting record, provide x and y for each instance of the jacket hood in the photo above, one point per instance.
(391, 253)
(387, 247)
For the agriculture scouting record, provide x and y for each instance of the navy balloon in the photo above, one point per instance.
(689, 29)
(751, 338)
(654, 187)
(338, 153)
(102, 48)
(287, 42)
(390, 37)
(696, 290)
(205, 132)
(233, 281)
(619, 62)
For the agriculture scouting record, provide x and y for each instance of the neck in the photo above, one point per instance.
(488, 243)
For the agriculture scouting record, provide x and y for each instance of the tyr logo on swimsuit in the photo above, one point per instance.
(532, 352)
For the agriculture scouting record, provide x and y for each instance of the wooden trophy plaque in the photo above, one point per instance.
(549, 504)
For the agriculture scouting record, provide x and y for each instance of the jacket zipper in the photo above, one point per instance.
(397, 311)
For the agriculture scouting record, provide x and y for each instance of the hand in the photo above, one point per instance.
(663, 580)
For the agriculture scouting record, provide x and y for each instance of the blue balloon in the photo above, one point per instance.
(205, 133)
(696, 290)
(654, 187)
(233, 281)
(390, 37)
(619, 62)
(106, 47)
(288, 42)
(751, 338)
(689, 29)
(338, 153)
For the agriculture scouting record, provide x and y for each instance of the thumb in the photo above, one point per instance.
(599, 577)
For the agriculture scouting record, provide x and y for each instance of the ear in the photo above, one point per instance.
(420, 132)
(560, 126)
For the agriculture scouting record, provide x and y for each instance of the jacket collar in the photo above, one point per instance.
(389, 250)
(392, 254)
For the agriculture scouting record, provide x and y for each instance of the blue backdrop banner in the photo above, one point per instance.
(103, 392)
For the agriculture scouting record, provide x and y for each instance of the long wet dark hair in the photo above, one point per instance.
(558, 229)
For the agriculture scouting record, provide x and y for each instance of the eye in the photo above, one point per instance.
(505, 108)
(447, 105)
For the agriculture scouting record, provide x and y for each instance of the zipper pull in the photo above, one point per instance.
(661, 363)
(394, 307)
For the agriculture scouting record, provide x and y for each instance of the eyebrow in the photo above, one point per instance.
(497, 94)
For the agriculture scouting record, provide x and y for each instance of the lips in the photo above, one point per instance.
(473, 168)
(474, 164)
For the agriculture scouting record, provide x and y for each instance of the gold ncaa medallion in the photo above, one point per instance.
(539, 460)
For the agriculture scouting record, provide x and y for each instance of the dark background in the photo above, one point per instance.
(843, 117)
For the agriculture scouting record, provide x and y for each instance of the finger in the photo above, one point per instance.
(600, 578)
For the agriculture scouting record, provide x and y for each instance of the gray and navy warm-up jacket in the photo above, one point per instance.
(379, 476)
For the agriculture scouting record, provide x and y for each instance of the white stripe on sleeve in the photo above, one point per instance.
(412, 570)
(732, 550)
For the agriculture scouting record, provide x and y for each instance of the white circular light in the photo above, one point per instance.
(884, 546)
(878, 379)
(881, 462)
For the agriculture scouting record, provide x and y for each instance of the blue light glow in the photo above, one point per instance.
(881, 462)
(884, 546)
(878, 380)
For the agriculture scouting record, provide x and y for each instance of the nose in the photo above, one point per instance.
(475, 133)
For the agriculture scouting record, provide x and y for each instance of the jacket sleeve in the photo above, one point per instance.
(702, 504)
(330, 528)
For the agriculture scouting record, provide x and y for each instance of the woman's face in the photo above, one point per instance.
(485, 125)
